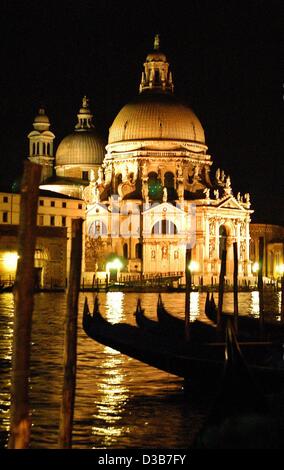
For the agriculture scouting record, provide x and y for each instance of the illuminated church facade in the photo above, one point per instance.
(150, 192)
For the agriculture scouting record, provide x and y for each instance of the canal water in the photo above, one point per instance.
(120, 402)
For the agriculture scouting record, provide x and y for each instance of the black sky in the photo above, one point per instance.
(227, 63)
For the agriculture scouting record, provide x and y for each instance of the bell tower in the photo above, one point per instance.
(41, 144)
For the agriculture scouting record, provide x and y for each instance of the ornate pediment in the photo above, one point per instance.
(230, 203)
(95, 209)
(164, 208)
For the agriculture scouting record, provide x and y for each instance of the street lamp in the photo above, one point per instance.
(280, 269)
(255, 269)
(193, 267)
(10, 260)
(114, 265)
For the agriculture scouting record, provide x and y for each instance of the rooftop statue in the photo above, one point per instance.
(207, 193)
(85, 102)
(165, 194)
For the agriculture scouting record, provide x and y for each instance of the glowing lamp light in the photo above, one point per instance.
(115, 264)
(193, 266)
(255, 267)
(10, 261)
(280, 269)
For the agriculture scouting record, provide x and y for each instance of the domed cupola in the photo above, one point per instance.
(156, 76)
(156, 118)
(81, 151)
(156, 143)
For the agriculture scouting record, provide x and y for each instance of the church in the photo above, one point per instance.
(148, 194)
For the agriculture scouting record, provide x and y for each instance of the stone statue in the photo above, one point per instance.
(216, 193)
(207, 193)
(124, 174)
(228, 189)
(196, 173)
(85, 102)
(165, 194)
(212, 228)
(247, 197)
(91, 194)
(145, 191)
(239, 196)
(144, 170)
(179, 172)
(92, 175)
(211, 249)
(228, 182)
(100, 179)
(217, 175)
(164, 252)
(222, 176)
(96, 195)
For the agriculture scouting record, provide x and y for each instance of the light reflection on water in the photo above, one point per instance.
(120, 402)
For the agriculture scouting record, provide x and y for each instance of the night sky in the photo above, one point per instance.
(227, 64)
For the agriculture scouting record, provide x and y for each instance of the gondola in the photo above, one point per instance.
(210, 308)
(144, 322)
(240, 416)
(6, 288)
(247, 326)
(173, 327)
(202, 361)
(148, 347)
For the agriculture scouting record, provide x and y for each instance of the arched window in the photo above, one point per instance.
(164, 227)
(138, 250)
(157, 77)
(97, 229)
(155, 187)
(222, 240)
(125, 250)
(169, 181)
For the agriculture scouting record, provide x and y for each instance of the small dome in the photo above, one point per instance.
(83, 146)
(156, 56)
(156, 116)
(80, 148)
(41, 121)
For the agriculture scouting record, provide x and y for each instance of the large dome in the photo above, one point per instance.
(81, 148)
(156, 116)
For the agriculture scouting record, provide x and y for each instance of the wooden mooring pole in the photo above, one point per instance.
(221, 288)
(20, 421)
(235, 286)
(260, 282)
(282, 299)
(70, 339)
(187, 292)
